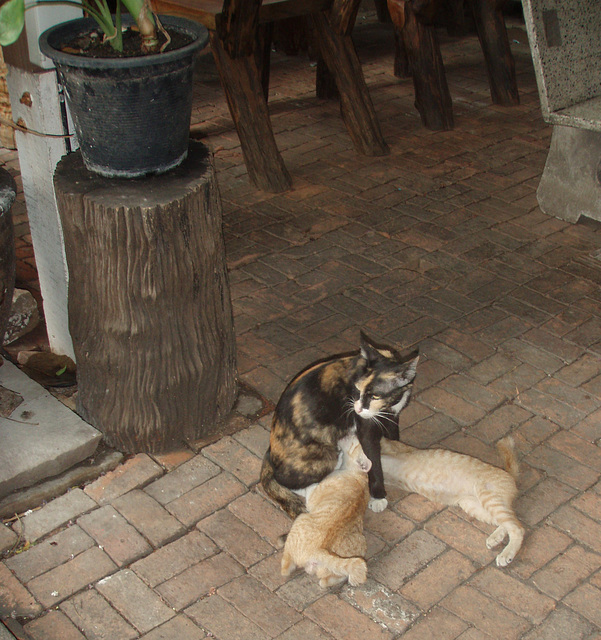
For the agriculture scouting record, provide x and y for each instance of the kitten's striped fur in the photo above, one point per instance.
(328, 541)
(480, 489)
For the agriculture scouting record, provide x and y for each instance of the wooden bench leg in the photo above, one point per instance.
(432, 96)
(382, 11)
(263, 55)
(500, 65)
(325, 84)
(338, 52)
(244, 93)
(402, 68)
(454, 18)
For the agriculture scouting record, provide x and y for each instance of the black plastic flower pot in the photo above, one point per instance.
(131, 115)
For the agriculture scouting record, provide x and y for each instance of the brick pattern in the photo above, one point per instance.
(441, 246)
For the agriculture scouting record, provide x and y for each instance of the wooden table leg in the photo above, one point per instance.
(358, 112)
(325, 84)
(263, 55)
(244, 93)
(432, 96)
(500, 65)
(382, 11)
(401, 67)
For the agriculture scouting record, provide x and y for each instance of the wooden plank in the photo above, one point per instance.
(278, 9)
(208, 12)
(204, 12)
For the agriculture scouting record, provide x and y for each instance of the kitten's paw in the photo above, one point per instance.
(503, 559)
(495, 538)
(331, 580)
(358, 573)
(378, 504)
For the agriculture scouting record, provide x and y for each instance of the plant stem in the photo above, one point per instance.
(142, 14)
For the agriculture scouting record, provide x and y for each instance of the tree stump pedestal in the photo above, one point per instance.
(149, 304)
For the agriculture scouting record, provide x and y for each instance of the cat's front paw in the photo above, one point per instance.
(504, 558)
(495, 538)
(378, 504)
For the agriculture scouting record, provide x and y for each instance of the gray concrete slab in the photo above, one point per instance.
(42, 437)
(570, 186)
(5, 634)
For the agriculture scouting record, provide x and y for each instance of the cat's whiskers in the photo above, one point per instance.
(350, 409)
(376, 420)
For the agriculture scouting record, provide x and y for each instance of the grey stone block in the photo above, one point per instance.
(42, 437)
(570, 186)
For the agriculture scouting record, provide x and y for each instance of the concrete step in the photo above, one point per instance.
(40, 437)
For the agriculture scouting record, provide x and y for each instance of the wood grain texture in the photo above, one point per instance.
(243, 88)
(149, 306)
(432, 95)
(338, 53)
(500, 65)
(237, 26)
(342, 15)
(208, 12)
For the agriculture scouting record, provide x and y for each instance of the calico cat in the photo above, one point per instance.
(362, 392)
(480, 489)
(328, 541)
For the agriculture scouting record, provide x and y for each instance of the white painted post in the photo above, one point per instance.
(35, 102)
(38, 157)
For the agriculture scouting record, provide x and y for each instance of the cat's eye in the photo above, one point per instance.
(376, 397)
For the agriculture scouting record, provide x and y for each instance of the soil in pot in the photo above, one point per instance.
(92, 45)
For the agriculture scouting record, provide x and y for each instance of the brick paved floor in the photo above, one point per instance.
(440, 244)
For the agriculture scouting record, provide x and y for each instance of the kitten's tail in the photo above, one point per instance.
(506, 450)
(354, 568)
(292, 503)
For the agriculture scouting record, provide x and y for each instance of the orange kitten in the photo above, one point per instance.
(480, 489)
(328, 541)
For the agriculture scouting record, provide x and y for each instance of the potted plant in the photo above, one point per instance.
(130, 107)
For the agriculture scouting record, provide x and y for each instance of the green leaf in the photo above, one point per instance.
(12, 19)
(61, 371)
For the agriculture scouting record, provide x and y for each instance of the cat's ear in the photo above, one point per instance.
(364, 463)
(372, 352)
(412, 365)
(408, 369)
(367, 349)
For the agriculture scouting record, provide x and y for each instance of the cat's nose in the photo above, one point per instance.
(358, 406)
